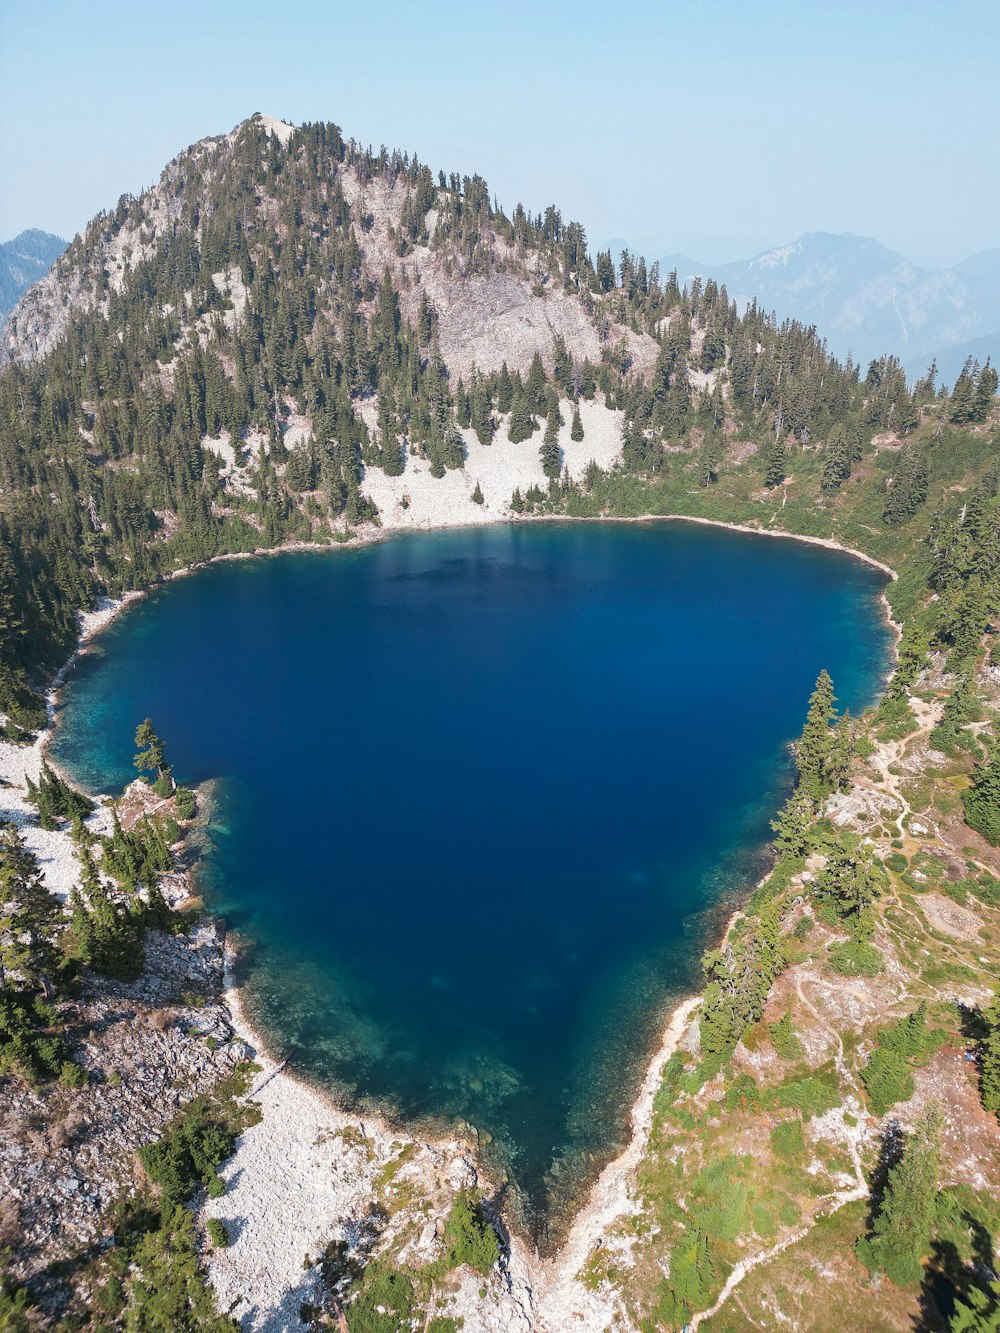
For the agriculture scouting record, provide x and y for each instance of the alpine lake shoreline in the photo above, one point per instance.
(275, 1170)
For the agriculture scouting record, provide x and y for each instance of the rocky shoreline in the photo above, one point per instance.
(308, 1173)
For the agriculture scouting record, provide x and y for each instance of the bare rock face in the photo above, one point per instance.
(509, 306)
(42, 314)
(97, 264)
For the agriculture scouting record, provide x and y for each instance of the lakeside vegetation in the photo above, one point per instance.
(108, 484)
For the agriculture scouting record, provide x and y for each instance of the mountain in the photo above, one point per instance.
(293, 340)
(23, 261)
(865, 299)
(950, 360)
(290, 337)
(497, 302)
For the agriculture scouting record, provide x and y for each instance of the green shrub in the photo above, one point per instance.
(184, 803)
(217, 1233)
(687, 1286)
(814, 1095)
(981, 801)
(670, 1086)
(887, 1076)
(469, 1235)
(189, 1153)
(887, 1080)
(167, 1287)
(897, 862)
(786, 1043)
(384, 1302)
(743, 1094)
(787, 1141)
(857, 958)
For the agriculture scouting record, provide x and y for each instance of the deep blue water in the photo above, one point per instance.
(484, 796)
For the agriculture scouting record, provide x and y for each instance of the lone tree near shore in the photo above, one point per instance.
(151, 756)
(813, 751)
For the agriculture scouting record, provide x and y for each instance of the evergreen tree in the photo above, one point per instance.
(550, 453)
(477, 495)
(977, 1310)
(986, 393)
(814, 747)
(739, 980)
(852, 881)
(981, 801)
(961, 408)
(167, 1290)
(55, 799)
(522, 424)
(505, 390)
(902, 1232)
(576, 430)
(989, 1058)
(30, 917)
(908, 490)
(774, 473)
(534, 387)
(151, 756)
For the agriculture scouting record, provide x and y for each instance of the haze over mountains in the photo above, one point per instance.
(866, 299)
(23, 261)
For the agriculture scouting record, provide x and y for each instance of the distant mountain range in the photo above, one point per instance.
(867, 300)
(23, 261)
(864, 299)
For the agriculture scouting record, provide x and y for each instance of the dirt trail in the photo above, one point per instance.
(888, 754)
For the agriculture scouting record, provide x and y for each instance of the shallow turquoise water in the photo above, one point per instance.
(484, 796)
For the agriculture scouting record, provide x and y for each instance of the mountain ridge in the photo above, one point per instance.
(23, 260)
(864, 298)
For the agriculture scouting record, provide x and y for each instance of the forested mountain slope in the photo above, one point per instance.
(237, 358)
(291, 338)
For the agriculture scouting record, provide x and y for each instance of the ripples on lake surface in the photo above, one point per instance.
(483, 797)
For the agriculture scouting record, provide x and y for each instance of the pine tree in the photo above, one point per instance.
(550, 453)
(522, 424)
(901, 1235)
(505, 390)
(477, 495)
(986, 393)
(813, 749)
(30, 917)
(151, 756)
(981, 801)
(977, 1311)
(534, 387)
(793, 828)
(836, 460)
(576, 430)
(989, 1058)
(909, 486)
(774, 474)
(961, 408)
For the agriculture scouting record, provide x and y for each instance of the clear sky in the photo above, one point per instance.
(717, 126)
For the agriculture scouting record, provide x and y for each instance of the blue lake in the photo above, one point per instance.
(484, 796)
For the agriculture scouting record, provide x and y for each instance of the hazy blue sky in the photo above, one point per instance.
(716, 127)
